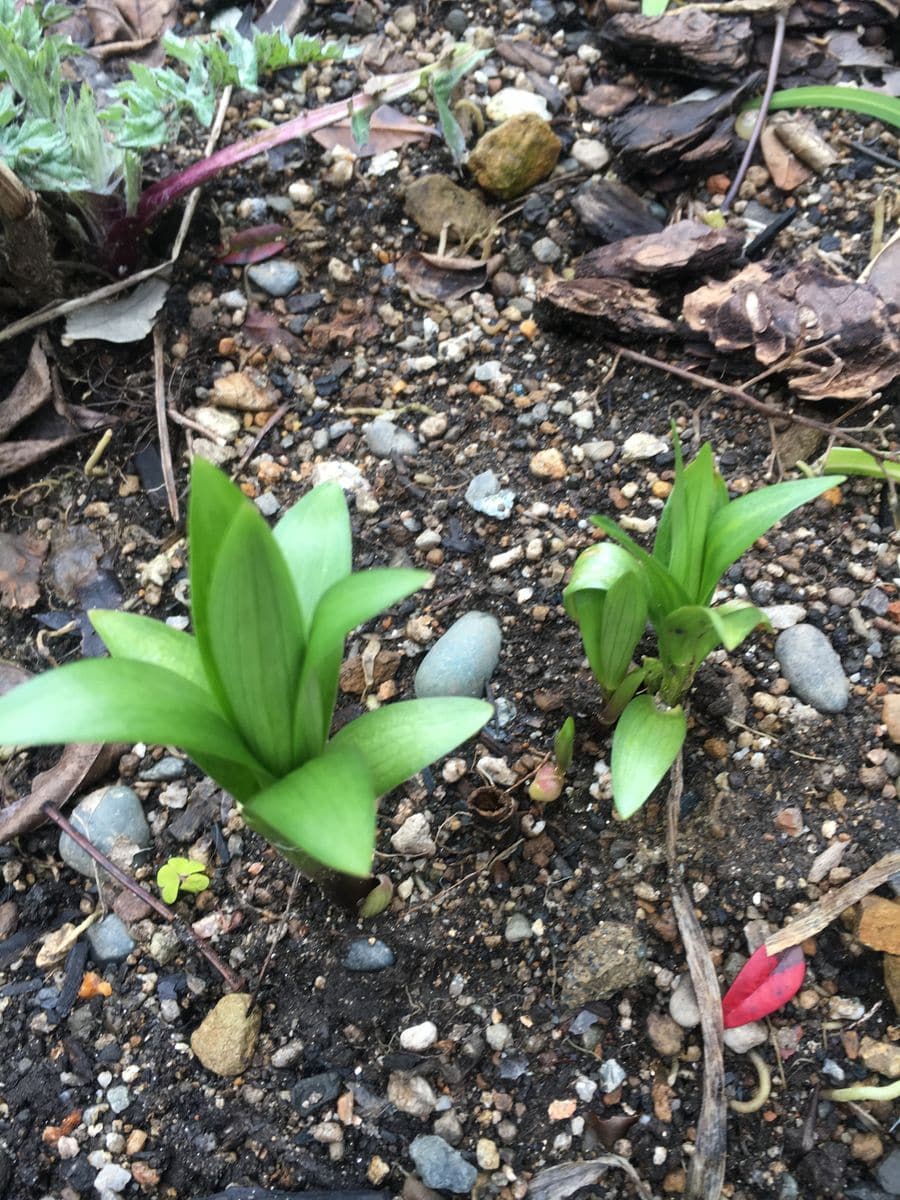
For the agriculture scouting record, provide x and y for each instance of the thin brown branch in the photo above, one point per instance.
(183, 930)
(744, 397)
(162, 424)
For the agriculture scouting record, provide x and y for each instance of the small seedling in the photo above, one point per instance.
(251, 695)
(181, 875)
(550, 776)
(616, 587)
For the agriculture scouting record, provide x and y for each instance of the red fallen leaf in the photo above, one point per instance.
(764, 984)
(253, 245)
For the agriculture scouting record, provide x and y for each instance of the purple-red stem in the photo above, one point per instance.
(772, 79)
(184, 931)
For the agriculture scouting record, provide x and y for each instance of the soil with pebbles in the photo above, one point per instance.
(753, 751)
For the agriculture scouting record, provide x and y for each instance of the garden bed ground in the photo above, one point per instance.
(754, 752)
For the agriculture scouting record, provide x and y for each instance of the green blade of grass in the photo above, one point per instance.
(850, 99)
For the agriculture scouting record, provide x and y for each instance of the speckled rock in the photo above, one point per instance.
(384, 438)
(812, 668)
(434, 201)
(440, 1166)
(515, 156)
(225, 1039)
(606, 960)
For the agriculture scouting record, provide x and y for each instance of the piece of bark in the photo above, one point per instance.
(850, 338)
(27, 257)
(841, 14)
(612, 211)
(652, 139)
(31, 390)
(603, 305)
(684, 248)
(524, 54)
(684, 42)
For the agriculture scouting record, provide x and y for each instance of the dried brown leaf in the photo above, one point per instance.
(31, 390)
(565, 1179)
(389, 129)
(78, 767)
(442, 278)
(130, 20)
(57, 944)
(21, 557)
(786, 169)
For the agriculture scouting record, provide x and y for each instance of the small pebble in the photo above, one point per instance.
(419, 1037)
(277, 277)
(518, 928)
(368, 954)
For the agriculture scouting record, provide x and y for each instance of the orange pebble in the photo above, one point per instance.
(92, 985)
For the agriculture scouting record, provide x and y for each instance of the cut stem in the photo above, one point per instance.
(771, 80)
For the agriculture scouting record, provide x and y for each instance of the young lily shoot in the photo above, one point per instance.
(617, 587)
(251, 694)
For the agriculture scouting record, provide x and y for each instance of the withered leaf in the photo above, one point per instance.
(786, 169)
(32, 389)
(607, 305)
(21, 556)
(78, 767)
(389, 129)
(608, 1130)
(439, 277)
(686, 247)
(353, 324)
(130, 20)
(524, 54)
(686, 41)
(263, 328)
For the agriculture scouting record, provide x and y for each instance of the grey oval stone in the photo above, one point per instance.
(113, 820)
(277, 276)
(368, 954)
(167, 770)
(109, 940)
(384, 438)
(485, 495)
(812, 668)
(462, 661)
(440, 1166)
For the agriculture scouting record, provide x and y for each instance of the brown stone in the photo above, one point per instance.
(890, 715)
(883, 1057)
(548, 464)
(225, 1039)
(789, 821)
(866, 1148)
(515, 156)
(666, 1034)
(606, 960)
(879, 924)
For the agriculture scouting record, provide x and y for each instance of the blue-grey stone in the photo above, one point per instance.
(167, 770)
(368, 954)
(611, 1076)
(812, 668)
(109, 940)
(113, 820)
(118, 1098)
(440, 1166)
(277, 276)
(384, 438)
(485, 495)
(462, 661)
(888, 1173)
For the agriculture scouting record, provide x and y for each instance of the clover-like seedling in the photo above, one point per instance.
(617, 587)
(251, 695)
(181, 875)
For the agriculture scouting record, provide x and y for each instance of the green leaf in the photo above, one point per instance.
(850, 99)
(142, 639)
(689, 634)
(653, 8)
(664, 592)
(196, 881)
(736, 527)
(645, 743)
(351, 601)
(315, 538)
(326, 808)
(400, 739)
(214, 504)
(697, 495)
(564, 743)
(117, 700)
(256, 637)
(845, 460)
(607, 597)
(168, 881)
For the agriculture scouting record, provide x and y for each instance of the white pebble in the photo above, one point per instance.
(419, 1037)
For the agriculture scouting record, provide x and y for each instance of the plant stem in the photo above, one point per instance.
(183, 930)
(771, 80)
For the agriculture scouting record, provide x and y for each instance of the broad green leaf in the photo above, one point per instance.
(850, 99)
(214, 504)
(736, 527)
(846, 460)
(326, 808)
(664, 592)
(351, 601)
(256, 638)
(127, 635)
(315, 539)
(116, 700)
(400, 739)
(645, 743)
(653, 8)
(607, 597)
(693, 502)
(689, 634)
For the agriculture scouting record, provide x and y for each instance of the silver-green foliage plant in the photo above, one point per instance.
(251, 695)
(617, 588)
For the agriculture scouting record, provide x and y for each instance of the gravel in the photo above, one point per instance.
(812, 668)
